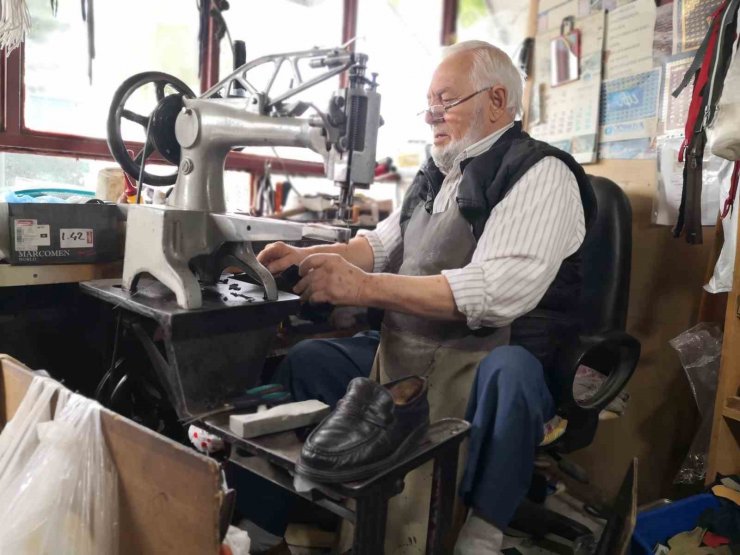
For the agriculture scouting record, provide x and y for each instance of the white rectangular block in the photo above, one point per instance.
(278, 419)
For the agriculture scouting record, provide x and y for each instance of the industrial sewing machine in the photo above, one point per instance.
(217, 331)
(197, 237)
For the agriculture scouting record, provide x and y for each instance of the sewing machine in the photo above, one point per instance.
(217, 331)
(193, 238)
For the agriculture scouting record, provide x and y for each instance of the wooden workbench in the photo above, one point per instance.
(724, 450)
(14, 276)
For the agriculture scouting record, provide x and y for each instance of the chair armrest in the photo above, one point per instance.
(614, 353)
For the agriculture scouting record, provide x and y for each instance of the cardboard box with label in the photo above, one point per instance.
(169, 495)
(32, 234)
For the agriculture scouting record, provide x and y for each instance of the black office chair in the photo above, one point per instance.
(603, 345)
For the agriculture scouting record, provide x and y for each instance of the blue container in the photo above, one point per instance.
(661, 524)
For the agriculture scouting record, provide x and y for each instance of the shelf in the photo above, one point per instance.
(732, 408)
(13, 276)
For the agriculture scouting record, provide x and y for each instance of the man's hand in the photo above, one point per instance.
(329, 278)
(277, 257)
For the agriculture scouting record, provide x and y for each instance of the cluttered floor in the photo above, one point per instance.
(304, 539)
(706, 523)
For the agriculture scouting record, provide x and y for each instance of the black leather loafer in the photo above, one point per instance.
(372, 427)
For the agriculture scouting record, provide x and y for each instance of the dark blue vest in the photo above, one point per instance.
(486, 179)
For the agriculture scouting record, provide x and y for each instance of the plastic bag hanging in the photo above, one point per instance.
(18, 439)
(64, 501)
(699, 349)
(722, 132)
(721, 280)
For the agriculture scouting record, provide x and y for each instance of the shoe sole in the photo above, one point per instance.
(367, 471)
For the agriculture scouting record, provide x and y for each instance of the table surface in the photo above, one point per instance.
(284, 448)
(15, 276)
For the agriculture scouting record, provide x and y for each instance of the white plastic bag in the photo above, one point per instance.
(18, 439)
(237, 540)
(721, 280)
(723, 135)
(64, 500)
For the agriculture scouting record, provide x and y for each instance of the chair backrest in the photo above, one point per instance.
(606, 260)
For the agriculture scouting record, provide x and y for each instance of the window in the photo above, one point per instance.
(502, 23)
(33, 171)
(404, 64)
(281, 26)
(30, 171)
(131, 37)
(60, 113)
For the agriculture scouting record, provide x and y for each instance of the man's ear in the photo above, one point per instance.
(498, 97)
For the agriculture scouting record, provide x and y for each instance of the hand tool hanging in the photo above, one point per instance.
(88, 15)
(708, 71)
(206, 9)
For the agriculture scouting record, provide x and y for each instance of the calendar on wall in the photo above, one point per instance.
(690, 23)
(567, 116)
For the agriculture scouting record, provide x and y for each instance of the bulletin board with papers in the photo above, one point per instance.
(568, 117)
(633, 57)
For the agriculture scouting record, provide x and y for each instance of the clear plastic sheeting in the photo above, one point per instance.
(699, 350)
(58, 484)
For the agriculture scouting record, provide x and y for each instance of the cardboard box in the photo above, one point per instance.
(33, 234)
(169, 496)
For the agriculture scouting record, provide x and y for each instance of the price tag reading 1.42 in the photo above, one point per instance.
(75, 238)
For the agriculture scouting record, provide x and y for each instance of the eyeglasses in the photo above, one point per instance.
(438, 111)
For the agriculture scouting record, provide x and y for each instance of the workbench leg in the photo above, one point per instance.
(372, 510)
(442, 502)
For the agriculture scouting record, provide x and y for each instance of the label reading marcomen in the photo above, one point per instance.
(29, 236)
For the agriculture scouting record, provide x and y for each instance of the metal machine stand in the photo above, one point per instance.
(205, 358)
(273, 457)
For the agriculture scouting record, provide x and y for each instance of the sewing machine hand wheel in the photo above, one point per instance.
(161, 124)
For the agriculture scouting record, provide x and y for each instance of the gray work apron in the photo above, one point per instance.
(446, 352)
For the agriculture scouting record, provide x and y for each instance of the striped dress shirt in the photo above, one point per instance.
(537, 225)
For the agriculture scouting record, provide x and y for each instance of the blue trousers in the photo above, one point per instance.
(509, 403)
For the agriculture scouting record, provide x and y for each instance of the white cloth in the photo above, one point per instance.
(528, 234)
(479, 537)
(15, 22)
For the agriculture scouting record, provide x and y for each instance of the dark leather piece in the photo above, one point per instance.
(370, 425)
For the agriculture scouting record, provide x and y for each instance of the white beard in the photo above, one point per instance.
(444, 156)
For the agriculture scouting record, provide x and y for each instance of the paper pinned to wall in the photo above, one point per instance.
(629, 39)
(550, 13)
(675, 110)
(691, 22)
(629, 149)
(569, 116)
(629, 106)
(663, 34)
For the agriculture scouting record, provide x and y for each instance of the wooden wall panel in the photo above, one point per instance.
(665, 291)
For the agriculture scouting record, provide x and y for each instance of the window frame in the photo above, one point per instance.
(16, 137)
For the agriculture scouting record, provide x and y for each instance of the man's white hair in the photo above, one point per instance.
(492, 66)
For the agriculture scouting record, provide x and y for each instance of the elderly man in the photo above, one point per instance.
(485, 249)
